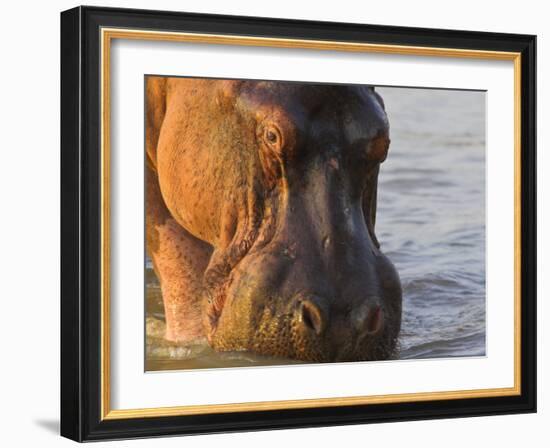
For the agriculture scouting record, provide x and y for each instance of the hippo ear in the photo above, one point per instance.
(228, 91)
(379, 98)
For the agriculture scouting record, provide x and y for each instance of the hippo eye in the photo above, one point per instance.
(377, 150)
(272, 137)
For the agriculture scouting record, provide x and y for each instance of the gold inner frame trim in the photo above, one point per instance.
(107, 35)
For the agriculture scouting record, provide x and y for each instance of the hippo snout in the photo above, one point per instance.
(319, 327)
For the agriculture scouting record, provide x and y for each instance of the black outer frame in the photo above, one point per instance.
(81, 223)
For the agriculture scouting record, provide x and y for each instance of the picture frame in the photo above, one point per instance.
(86, 37)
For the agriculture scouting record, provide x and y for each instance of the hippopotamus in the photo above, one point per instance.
(260, 217)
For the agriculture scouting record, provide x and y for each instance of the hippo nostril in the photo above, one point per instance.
(311, 316)
(375, 320)
(368, 319)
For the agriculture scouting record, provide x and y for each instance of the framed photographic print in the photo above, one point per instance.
(272, 223)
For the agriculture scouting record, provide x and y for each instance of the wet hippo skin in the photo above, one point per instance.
(260, 217)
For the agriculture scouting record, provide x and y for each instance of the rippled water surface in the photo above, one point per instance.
(430, 222)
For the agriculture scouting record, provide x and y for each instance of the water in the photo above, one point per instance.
(431, 218)
(430, 222)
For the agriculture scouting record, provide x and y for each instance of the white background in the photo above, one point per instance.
(29, 184)
(132, 388)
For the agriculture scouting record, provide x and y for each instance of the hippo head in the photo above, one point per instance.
(296, 269)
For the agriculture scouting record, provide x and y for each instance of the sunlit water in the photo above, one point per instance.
(430, 222)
